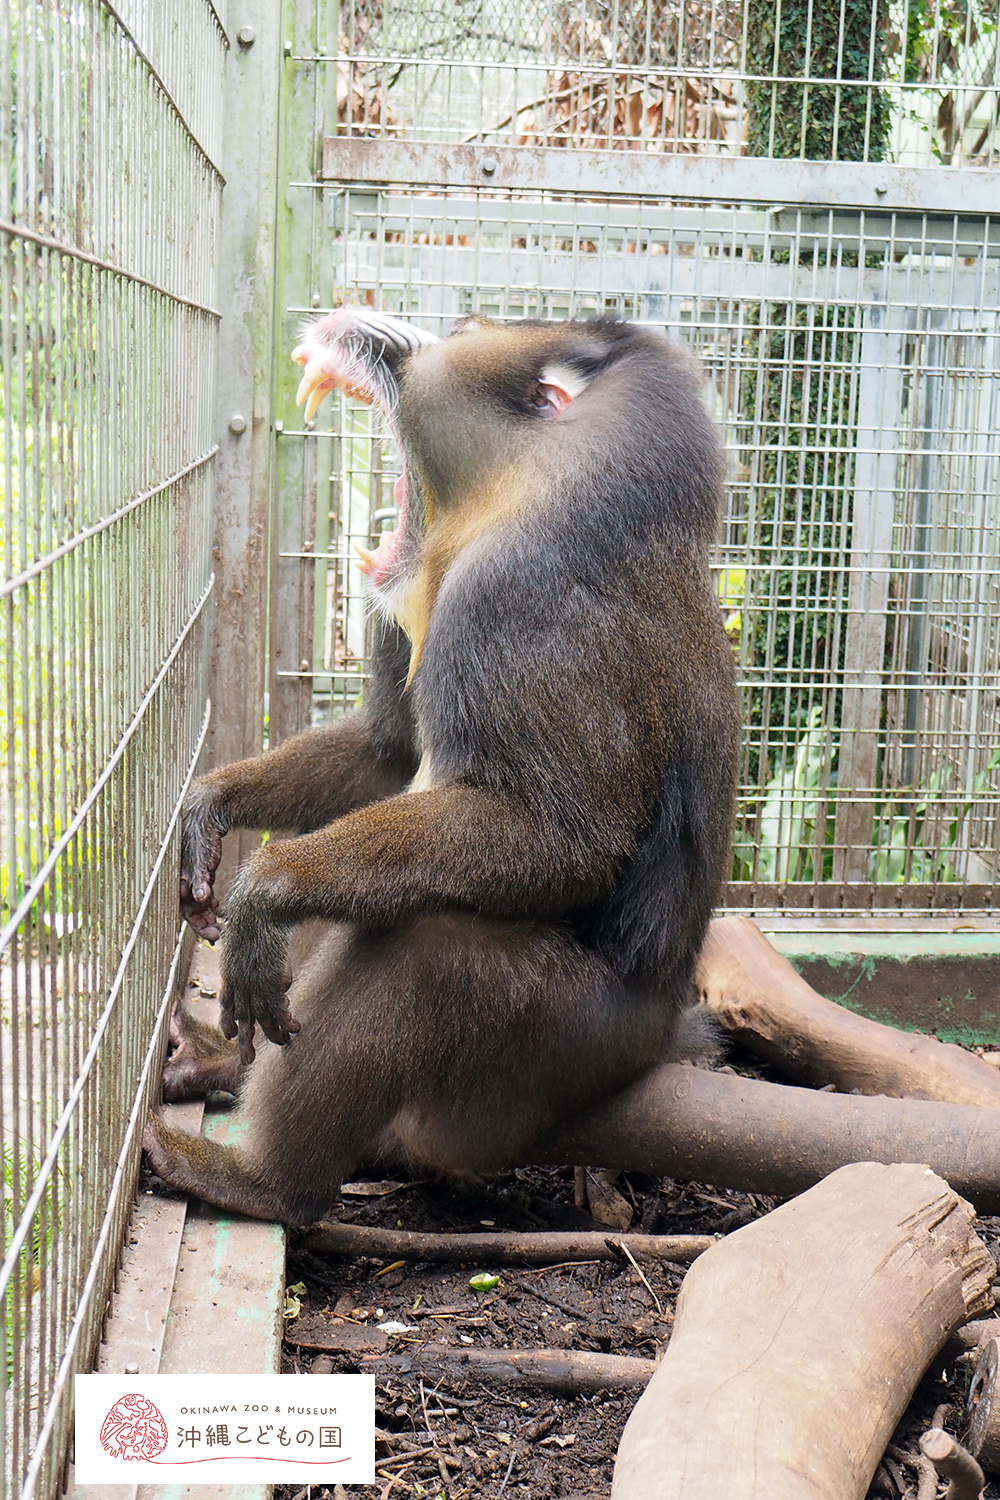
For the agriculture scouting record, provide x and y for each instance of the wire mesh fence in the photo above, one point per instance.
(109, 204)
(851, 357)
(913, 81)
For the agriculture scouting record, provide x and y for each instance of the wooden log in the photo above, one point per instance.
(953, 1463)
(799, 1339)
(758, 1137)
(975, 1334)
(501, 1249)
(567, 1372)
(759, 998)
(984, 1405)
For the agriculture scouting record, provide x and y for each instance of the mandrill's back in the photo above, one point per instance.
(575, 660)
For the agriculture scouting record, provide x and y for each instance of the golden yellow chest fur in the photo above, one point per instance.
(449, 532)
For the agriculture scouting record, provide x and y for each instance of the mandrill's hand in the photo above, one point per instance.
(254, 978)
(201, 849)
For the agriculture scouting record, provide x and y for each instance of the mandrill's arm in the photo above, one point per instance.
(413, 855)
(304, 784)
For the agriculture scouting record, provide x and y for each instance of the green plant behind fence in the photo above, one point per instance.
(816, 120)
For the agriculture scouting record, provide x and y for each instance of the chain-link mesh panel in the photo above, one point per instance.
(109, 207)
(851, 362)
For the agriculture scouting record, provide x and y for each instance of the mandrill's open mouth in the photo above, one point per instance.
(360, 352)
(377, 562)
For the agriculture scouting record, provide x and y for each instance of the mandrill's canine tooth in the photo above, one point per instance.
(315, 377)
(316, 397)
(367, 557)
(305, 386)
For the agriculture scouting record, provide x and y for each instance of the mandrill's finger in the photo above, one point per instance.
(206, 922)
(247, 1050)
(280, 1027)
(196, 890)
(227, 1018)
(206, 927)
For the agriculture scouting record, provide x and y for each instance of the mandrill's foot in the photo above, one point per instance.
(200, 1062)
(220, 1174)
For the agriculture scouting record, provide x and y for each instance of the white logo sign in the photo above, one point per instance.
(225, 1429)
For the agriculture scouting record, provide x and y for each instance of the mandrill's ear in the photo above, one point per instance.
(559, 386)
(346, 347)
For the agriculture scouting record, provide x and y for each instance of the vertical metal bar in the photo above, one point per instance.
(920, 554)
(244, 412)
(873, 509)
(292, 580)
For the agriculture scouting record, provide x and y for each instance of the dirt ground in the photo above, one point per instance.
(450, 1439)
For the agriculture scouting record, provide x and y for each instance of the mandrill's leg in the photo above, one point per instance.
(299, 1132)
(201, 1060)
(461, 1038)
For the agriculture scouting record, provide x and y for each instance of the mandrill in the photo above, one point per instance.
(508, 855)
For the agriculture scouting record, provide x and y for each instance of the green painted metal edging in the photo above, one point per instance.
(947, 984)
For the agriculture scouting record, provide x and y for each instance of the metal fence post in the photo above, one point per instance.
(880, 386)
(244, 464)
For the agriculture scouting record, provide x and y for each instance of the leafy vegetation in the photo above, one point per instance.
(816, 121)
(19, 1174)
(784, 847)
(906, 848)
(786, 841)
(799, 421)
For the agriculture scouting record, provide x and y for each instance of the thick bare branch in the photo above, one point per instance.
(768, 1138)
(569, 1372)
(758, 997)
(954, 1464)
(500, 1249)
(798, 1340)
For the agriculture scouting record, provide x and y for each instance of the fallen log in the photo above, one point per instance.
(798, 1341)
(762, 1002)
(501, 1249)
(953, 1463)
(566, 1372)
(718, 1128)
(984, 1406)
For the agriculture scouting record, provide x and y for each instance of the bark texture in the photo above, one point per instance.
(736, 1132)
(799, 1339)
(759, 998)
(501, 1249)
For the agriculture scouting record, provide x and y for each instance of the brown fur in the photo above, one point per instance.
(515, 939)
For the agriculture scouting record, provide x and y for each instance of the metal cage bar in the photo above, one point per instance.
(849, 335)
(109, 208)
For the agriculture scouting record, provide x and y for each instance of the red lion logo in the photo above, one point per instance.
(134, 1428)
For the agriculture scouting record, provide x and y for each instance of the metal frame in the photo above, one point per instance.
(880, 186)
(109, 210)
(846, 312)
(245, 463)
